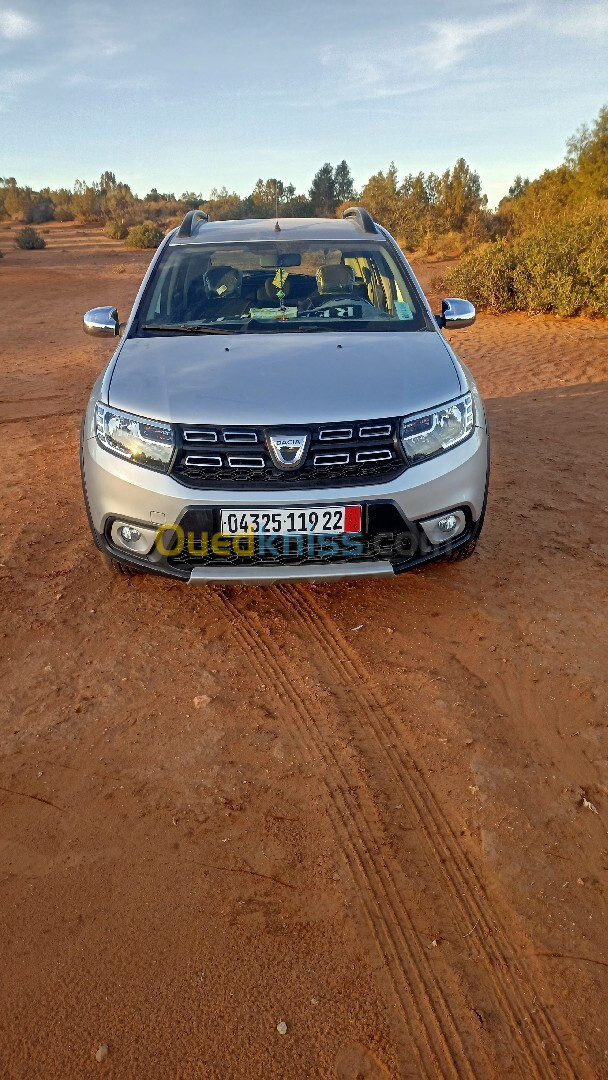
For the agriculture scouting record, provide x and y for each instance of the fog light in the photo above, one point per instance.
(444, 527)
(138, 539)
(129, 534)
(447, 524)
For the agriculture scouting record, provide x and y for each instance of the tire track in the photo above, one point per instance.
(465, 885)
(536, 1036)
(422, 1003)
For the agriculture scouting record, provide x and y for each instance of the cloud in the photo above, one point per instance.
(87, 45)
(451, 38)
(587, 21)
(14, 26)
(412, 68)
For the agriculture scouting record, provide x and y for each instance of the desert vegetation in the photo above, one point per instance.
(548, 250)
(29, 239)
(556, 266)
(147, 235)
(418, 209)
(543, 249)
(116, 230)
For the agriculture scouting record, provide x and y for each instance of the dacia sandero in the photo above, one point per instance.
(283, 406)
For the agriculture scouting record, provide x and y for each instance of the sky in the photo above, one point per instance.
(187, 96)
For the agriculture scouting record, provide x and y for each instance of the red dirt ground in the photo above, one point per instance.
(225, 808)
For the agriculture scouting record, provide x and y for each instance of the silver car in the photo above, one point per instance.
(282, 406)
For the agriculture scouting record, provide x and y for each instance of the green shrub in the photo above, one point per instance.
(29, 239)
(39, 212)
(559, 267)
(63, 213)
(117, 230)
(147, 235)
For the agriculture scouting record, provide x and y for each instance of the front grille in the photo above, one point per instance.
(292, 554)
(345, 454)
(385, 535)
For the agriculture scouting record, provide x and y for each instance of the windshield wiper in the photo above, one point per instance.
(188, 328)
(307, 326)
(293, 326)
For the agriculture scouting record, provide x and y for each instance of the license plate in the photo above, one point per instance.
(335, 520)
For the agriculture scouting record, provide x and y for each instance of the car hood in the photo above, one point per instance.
(264, 379)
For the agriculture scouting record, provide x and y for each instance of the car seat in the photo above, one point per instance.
(223, 282)
(335, 279)
(217, 293)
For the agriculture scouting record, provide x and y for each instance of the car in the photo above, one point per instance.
(283, 406)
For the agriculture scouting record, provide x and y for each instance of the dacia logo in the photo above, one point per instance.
(287, 450)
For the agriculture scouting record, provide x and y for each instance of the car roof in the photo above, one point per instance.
(249, 230)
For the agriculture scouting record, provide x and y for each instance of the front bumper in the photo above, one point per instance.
(268, 575)
(115, 488)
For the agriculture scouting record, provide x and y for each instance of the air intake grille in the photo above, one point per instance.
(365, 451)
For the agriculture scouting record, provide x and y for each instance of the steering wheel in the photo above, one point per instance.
(340, 302)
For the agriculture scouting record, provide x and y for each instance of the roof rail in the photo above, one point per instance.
(190, 220)
(362, 217)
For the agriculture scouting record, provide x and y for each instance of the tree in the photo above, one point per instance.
(268, 193)
(588, 157)
(344, 188)
(458, 196)
(265, 195)
(417, 223)
(223, 205)
(322, 192)
(381, 196)
(518, 187)
(192, 200)
(107, 181)
(118, 201)
(41, 210)
(540, 200)
(86, 201)
(18, 202)
(581, 180)
(163, 196)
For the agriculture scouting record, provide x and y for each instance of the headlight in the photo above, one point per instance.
(430, 433)
(144, 442)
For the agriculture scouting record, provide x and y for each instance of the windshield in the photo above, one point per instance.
(277, 287)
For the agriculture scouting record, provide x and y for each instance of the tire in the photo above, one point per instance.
(115, 566)
(463, 552)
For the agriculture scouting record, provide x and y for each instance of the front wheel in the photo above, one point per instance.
(463, 552)
(115, 566)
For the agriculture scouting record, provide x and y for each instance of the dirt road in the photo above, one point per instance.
(375, 812)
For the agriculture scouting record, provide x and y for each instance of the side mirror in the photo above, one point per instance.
(456, 313)
(101, 322)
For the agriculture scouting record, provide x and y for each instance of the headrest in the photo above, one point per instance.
(222, 282)
(335, 279)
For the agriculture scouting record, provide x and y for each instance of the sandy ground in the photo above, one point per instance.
(223, 809)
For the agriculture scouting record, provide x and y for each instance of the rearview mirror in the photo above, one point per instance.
(286, 258)
(456, 313)
(101, 322)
